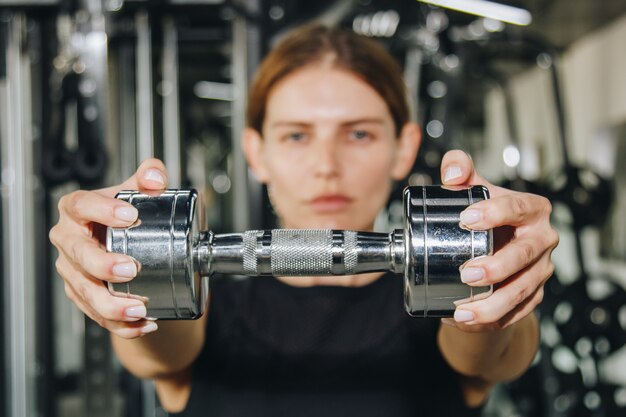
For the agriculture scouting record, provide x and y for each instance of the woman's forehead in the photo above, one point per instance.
(325, 94)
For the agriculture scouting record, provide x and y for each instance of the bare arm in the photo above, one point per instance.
(491, 355)
(495, 339)
(86, 268)
(170, 349)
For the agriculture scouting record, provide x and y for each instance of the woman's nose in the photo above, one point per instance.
(326, 159)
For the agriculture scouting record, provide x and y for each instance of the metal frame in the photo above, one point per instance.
(18, 224)
(126, 115)
(239, 81)
(143, 82)
(3, 358)
(171, 114)
(137, 142)
(247, 193)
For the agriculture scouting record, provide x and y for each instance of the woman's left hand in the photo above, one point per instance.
(523, 243)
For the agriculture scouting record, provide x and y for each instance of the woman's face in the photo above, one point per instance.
(328, 151)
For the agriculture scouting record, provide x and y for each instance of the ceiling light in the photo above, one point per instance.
(483, 8)
(213, 91)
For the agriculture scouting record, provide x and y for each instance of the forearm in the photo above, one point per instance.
(493, 356)
(172, 348)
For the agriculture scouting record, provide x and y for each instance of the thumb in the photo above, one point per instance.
(150, 177)
(457, 168)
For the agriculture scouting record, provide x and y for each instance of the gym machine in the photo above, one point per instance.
(81, 90)
(20, 223)
(143, 49)
(582, 326)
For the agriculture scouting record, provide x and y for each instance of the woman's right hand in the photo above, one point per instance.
(83, 262)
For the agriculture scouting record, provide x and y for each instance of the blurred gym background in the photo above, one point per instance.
(89, 88)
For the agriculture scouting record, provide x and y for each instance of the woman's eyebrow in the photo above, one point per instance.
(289, 123)
(374, 120)
(304, 124)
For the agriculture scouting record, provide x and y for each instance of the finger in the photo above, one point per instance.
(512, 258)
(71, 294)
(457, 168)
(109, 307)
(512, 209)
(503, 300)
(449, 322)
(126, 330)
(151, 176)
(132, 330)
(85, 207)
(515, 315)
(522, 310)
(96, 262)
(96, 299)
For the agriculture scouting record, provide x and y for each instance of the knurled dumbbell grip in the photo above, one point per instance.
(300, 252)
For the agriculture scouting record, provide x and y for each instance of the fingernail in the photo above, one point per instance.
(462, 316)
(126, 213)
(471, 274)
(125, 269)
(154, 175)
(448, 322)
(470, 216)
(451, 173)
(149, 327)
(136, 312)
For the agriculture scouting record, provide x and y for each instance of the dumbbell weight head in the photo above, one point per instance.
(162, 241)
(436, 246)
(176, 255)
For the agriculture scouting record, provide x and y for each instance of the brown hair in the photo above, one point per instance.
(345, 49)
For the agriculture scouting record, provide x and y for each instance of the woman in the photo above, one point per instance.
(328, 132)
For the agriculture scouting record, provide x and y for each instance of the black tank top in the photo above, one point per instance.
(277, 350)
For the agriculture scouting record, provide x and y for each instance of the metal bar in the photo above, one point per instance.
(288, 252)
(145, 138)
(412, 77)
(559, 108)
(45, 330)
(4, 345)
(143, 63)
(255, 41)
(240, 88)
(127, 112)
(98, 374)
(27, 3)
(247, 47)
(148, 392)
(18, 215)
(171, 115)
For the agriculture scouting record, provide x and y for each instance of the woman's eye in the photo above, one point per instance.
(296, 136)
(360, 135)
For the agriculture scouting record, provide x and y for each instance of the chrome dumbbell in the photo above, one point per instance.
(177, 255)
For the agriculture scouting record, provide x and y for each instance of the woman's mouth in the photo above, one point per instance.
(330, 203)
